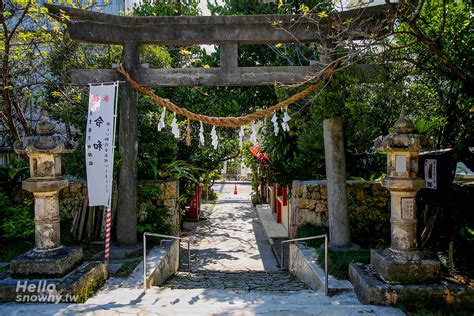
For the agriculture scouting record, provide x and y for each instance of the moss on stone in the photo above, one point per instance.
(127, 268)
(90, 288)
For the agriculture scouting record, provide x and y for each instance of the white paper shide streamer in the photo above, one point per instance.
(174, 127)
(214, 138)
(241, 137)
(276, 129)
(201, 134)
(286, 119)
(161, 123)
(253, 136)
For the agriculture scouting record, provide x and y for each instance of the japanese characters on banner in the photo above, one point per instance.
(99, 143)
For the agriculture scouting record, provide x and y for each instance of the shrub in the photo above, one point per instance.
(308, 230)
(17, 220)
(339, 261)
(155, 221)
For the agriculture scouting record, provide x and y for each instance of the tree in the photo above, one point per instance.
(421, 51)
(434, 38)
(213, 101)
(24, 35)
(27, 34)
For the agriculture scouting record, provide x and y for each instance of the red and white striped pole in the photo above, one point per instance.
(108, 214)
(108, 226)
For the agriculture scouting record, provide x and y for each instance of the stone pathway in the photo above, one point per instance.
(232, 238)
(236, 281)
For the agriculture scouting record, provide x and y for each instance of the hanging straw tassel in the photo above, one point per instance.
(188, 134)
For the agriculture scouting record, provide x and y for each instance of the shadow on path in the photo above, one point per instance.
(231, 238)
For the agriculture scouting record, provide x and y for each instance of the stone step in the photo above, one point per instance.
(279, 281)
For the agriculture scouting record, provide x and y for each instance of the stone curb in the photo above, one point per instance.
(304, 265)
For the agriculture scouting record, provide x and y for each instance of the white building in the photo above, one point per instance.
(105, 6)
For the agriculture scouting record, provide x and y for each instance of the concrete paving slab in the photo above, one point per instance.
(272, 229)
(208, 302)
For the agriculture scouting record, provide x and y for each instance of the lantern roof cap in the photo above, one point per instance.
(403, 125)
(45, 127)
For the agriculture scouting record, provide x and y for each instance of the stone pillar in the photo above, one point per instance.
(402, 262)
(48, 258)
(339, 233)
(326, 55)
(229, 57)
(128, 146)
(224, 170)
(47, 228)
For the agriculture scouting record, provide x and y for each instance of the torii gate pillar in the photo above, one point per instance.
(339, 232)
(335, 161)
(128, 147)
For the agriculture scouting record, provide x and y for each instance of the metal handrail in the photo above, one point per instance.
(164, 236)
(325, 255)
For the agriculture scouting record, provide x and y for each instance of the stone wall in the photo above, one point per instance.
(165, 261)
(303, 265)
(71, 199)
(368, 205)
(165, 195)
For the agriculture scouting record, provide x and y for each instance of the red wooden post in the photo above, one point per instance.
(198, 201)
(275, 197)
(108, 227)
(284, 192)
(278, 203)
(194, 211)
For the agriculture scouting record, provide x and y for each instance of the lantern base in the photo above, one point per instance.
(75, 287)
(405, 267)
(371, 289)
(46, 264)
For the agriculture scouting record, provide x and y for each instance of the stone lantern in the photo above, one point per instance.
(403, 262)
(48, 258)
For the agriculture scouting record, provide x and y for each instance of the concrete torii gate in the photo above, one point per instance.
(228, 32)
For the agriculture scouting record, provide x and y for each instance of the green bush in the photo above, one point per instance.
(156, 221)
(255, 198)
(308, 230)
(16, 168)
(339, 261)
(17, 219)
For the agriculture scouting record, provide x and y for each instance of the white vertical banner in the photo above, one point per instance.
(100, 137)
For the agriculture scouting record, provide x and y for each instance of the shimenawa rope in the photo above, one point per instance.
(230, 120)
